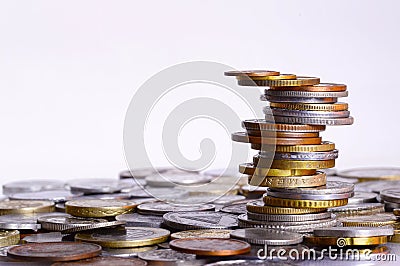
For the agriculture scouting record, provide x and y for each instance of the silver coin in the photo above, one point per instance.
(23, 221)
(261, 236)
(235, 209)
(276, 224)
(363, 197)
(60, 207)
(306, 94)
(376, 186)
(391, 195)
(107, 196)
(140, 172)
(360, 207)
(3, 197)
(200, 220)
(277, 99)
(301, 156)
(332, 187)
(340, 179)
(390, 206)
(229, 199)
(32, 185)
(166, 255)
(306, 196)
(51, 195)
(288, 217)
(171, 180)
(158, 193)
(65, 221)
(125, 252)
(372, 172)
(160, 208)
(310, 120)
(138, 220)
(44, 237)
(82, 228)
(355, 231)
(250, 262)
(330, 171)
(96, 185)
(299, 113)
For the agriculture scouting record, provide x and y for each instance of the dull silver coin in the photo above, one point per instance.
(261, 236)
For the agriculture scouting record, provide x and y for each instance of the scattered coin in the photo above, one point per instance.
(358, 209)
(160, 208)
(355, 231)
(50, 195)
(126, 252)
(139, 220)
(8, 238)
(235, 209)
(363, 197)
(32, 185)
(171, 180)
(99, 208)
(376, 186)
(203, 233)
(25, 206)
(261, 236)
(369, 220)
(140, 172)
(43, 238)
(200, 220)
(369, 174)
(166, 255)
(106, 261)
(23, 221)
(391, 195)
(97, 185)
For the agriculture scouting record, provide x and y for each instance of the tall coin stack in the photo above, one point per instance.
(291, 152)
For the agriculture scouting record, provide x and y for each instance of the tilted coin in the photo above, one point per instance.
(307, 196)
(331, 187)
(171, 180)
(252, 73)
(235, 208)
(324, 146)
(369, 173)
(261, 124)
(345, 241)
(99, 208)
(376, 186)
(288, 217)
(160, 208)
(359, 209)
(315, 100)
(166, 255)
(261, 236)
(23, 221)
(314, 180)
(354, 231)
(106, 261)
(391, 195)
(311, 120)
(65, 221)
(43, 238)
(32, 185)
(363, 197)
(8, 238)
(210, 246)
(307, 156)
(88, 227)
(56, 251)
(369, 220)
(138, 220)
(202, 233)
(96, 185)
(25, 206)
(259, 207)
(125, 237)
(50, 195)
(294, 203)
(126, 252)
(199, 220)
(306, 94)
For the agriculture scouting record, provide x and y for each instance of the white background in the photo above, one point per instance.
(68, 70)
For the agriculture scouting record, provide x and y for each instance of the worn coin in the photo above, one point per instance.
(210, 246)
(106, 261)
(370, 173)
(126, 252)
(43, 238)
(125, 237)
(97, 185)
(355, 231)
(25, 206)
(50, 195)
(139, 220)
(166, 255)
(160, 208)
(200, 220)
(32, 185)
(369, 220)
(307, 156)
(288, 217)
(262, 236)
(363, 197)
(391, 195)
(99, 208)
(310, 120)
(56, 251)
(203, 233)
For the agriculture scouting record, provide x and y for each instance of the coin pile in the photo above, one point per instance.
(291, 151)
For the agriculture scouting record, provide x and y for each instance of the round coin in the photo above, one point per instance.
(305, 196)
(369, 173)
(271, 77)
(295, 164)
(43, 238)
(50, 195)
(96, 208)
(262, 236)
(245, 138)
(363, 197)
(290, 203)
(163, 256)
(97, 185)
(369, 220)
(331, 187)
(279, 134)
(32, 185)
(317, 87)
(354, 231)
(345, 241)
(288, 217)
(306, 114)
(358, 209)
(311, 107)
(306, 94)
(298, 81)
(106, 261)
(8, 238)
(126, 252)
(261, 124)
(139, 220)
(160, 208)
(199, 220)
(92, 227)
(204, 233)
(125, 237)
(318, 179)
(250, 169)
(259, 207)
(171, 180)
(391, 195)
(308, 100)
(25, 206)
(62, 251)
(235, 208)
(376, 186)
(324, 146)
(251, 73)
(210, 246)
(23, 221)
(300, 156)
(311, 120)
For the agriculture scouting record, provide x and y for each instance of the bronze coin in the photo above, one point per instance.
(55, 251)
(106, 261)
(244, 137)
(278, 134)
(317, 87)
(210, 246)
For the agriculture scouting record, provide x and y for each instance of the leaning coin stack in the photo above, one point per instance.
(291, 152)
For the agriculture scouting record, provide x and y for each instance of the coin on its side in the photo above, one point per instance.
(262, 236)
(200, 220)
(96, 208)
(202, 233)
(25, 206)
(210, 246)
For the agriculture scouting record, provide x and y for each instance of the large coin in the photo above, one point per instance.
(163, 256)
(245, 138)
(32, 185)
(252, 73)
(311, 120)
(23, 221)
(160, 208)
(50, 195)
(345, 241)
(307, 156)
(203, 233)
(391, 195)
(259, 207)
(363, 197)
(306, 94)
(369, 220)
(124, 238)
(97, 185)
(355, 231)
(235, 209)
(261, 236)
(298, 113)
(288, 217)
(307, 196)
(199, 220)
(99, 208)
(106, 261)
(139, 220)
(62, 251)
(25, 206)
(210, 246)
(331, 187)
(369, 173)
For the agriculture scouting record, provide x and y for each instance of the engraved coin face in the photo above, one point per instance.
(200, 220)
(161, 208)
(166, 255)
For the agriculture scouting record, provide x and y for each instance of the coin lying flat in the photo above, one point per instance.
(313, 100)
(363, 197)
(97, 185)
(167, 255)
(369, 173)
(306, 156)
(252, 73)
(259, 207)
(82, 228)
(140, 173)
(23, 221)
(123, 238)
(311, 120)
(345, 241)
(294, 203)
(139, 220)
(25, 206)
(8, 238)
(261, 236)
(307, 114)
(32, 185)
(63, 222)
(199, 220)
(62, 251)
(160, 208)
(203, 233)
(171, 179)
(235, 208)
(358, 209)
(106, 261)
(99, 208)
(288, 217)
(355, 231)
(43, 238)
(331, 187)
(391, 195)
(210, 246)
(50, 195)
(376, 186)
(307, 196)
(126, 252)
(369, 220)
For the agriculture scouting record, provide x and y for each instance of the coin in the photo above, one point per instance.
(376, 186)
(390, 206)
(163, 256)
(359, 209)
(363, 197)
(139, 220)
(306, 156)
(252, 73)
(251, 169)
(345, 241)
(244, 137)
(311, 107)
(235, 208)
(288, 217)
(324, 146)
(280, 134)
(99, 208)
(210, 246)
(331, 187)
(307, 114)
(270, 77)
(369, 220)
(125, 237)
(32, 185)
(295, 164)
(22, 221)
(261, 124)
(262, 236)
(252, 192)
(290, 203)
(229, 199)
(306, 196)
(160, 208)
(88, 227)
(306, 94)
(318, 100)
(299, 81)
(315, 180)
(8, 238)
(354, 231)
(203, 233)
(25, 206)
(43, 238)
(61, 251)
(140, 173)
(97, 185)
(259, 207)
(50, 195)
(311, 120)
(126, 252)
(199, 220)
(369, 173)
(106, 261)
(171, 180)
(391, 195)
(317, 87)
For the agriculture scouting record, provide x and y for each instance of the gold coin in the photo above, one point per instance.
(299, 81)
(312, 106)
(396, 212)
(324, 146)
(96, 208)
(261, 124)
(396, 237)
(9, 238)
(275, 77)
(127, 237)
(250, 169)
(203, 233)
(315, 180)
(370, 220)
(25, 206)
(289, 164)
(296, 203)
(259, 207)
(322, 87)
(345, 241)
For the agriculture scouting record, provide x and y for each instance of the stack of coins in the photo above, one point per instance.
(291, 152)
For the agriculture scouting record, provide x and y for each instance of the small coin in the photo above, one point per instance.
(369, 220)
(235, 208)
(369, 173)
(261, 124)
(262, 236)
(355, 231)
(171, 180)
(309, 100)
(23, 221)
(280, 134)
(160, 208)
(203, 233)
(306, 94)
(125, 237)
(252, 73)
(391, 195)
(8, 238)
(106, 261)
(311, 120)
(307, 114)
(126, 252)
(43, 238)
(210, 246)
(259, 207)
(307, 156)
(32, 185)
(56, 251)
(288, 217)
(244, 137)
(199, 220)
(292, 80)
(296, 164)
(97, 185)
(363, 197)
(25, 206)
(166, 255)
(139, 220)
(50, 195)
(345, 241)
(99, 208)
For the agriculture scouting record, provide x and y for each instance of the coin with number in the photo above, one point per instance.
(200, 220)
(262, 236)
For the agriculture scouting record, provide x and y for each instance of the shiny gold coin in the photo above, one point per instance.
(9, 238)
(25, 206)
(312, 106)
(316, 180)
(204, 233)
(125, 237)
(324, 146)
(97, 208)
(299, 81)
(250, 169)
(275, 77)
(345, 241)
(289, 164)
(322, 87)
(244, 137)
(381, 219)
(252, 73)
(259, 207)
(295, 203)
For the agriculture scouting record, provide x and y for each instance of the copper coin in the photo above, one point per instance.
(56, 251)
(252, 73)
(106, 261)
(243, 137)
(210, 246)
(273, 134)
(318, 87)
